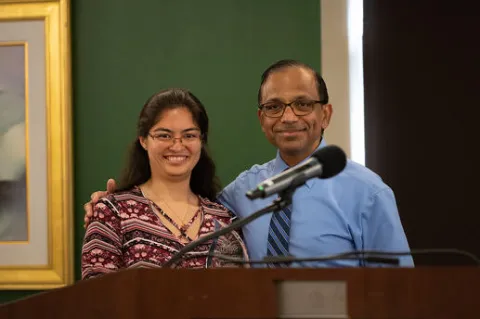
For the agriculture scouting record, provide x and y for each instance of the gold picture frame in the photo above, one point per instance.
(44, 259)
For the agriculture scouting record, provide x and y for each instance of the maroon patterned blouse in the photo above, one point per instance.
(125, 232)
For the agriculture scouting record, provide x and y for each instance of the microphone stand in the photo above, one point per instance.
(284, 199)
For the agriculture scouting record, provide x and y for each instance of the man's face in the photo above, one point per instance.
(295, 136)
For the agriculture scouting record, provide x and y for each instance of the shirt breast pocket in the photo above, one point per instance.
(320, 232)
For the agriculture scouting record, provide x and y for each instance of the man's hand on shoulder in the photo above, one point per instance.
(94, 198)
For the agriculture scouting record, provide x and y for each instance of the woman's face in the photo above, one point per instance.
(173, 144)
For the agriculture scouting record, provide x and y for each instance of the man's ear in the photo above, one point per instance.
(327, 115)
(260, 118)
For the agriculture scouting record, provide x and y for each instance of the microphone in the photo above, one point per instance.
(324, 163)
(368, 256)
(371, 256)
(287, 260)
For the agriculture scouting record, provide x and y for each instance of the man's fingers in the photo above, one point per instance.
(97, 195)
(111, 185)
(88, 209)
(86, 221)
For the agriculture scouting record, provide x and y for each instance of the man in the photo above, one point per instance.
(354, 210)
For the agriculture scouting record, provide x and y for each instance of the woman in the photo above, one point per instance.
(166, 196)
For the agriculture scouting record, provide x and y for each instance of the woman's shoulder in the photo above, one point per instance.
(214, 208)
(129, 197)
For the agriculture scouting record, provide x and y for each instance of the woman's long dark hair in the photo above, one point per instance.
(203, 181)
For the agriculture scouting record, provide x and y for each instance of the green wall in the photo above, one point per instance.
(124, 51)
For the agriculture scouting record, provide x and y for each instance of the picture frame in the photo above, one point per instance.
(36, 244)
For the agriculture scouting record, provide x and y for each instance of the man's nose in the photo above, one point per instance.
(289, 115)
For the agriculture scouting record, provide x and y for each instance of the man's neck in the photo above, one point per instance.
(293, 159)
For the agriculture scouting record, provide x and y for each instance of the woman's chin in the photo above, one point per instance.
(178, 172)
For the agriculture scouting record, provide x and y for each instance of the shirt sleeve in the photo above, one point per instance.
(227, 198)
(382, 227)
(102, 245)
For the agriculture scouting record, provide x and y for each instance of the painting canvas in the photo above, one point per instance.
(13, 144)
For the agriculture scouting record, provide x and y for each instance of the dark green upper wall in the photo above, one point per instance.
(218, 49)
(124, 51)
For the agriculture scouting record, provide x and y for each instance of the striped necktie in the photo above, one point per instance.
(278, 235)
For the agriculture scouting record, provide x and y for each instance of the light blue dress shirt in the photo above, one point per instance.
(354, 210)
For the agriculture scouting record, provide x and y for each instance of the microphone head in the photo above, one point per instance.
(255, 193)
(333, 160)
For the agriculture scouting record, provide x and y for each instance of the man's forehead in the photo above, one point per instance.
(291, 82)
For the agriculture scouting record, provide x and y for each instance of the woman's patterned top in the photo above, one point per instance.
(125, 232)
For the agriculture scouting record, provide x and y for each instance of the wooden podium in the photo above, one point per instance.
(437, 292)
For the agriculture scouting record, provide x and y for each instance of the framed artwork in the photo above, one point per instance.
(36, 185)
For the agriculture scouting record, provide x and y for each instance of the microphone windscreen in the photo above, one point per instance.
(333, 160)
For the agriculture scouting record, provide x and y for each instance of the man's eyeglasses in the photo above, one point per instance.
(185, 139)
(299, 107)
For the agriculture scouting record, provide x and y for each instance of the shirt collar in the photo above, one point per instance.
(279, 165)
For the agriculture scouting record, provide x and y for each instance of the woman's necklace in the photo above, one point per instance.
(185, 215)
(183, 227)
(183, 219)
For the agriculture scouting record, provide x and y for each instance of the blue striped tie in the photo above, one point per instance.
(278, 235)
